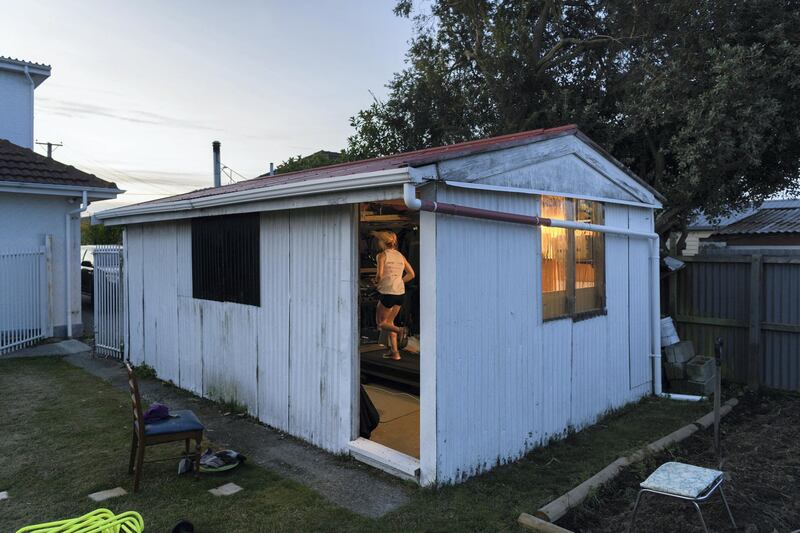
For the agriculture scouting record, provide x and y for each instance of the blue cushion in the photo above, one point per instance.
(178, 422)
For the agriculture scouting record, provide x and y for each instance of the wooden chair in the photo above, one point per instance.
(181, 426)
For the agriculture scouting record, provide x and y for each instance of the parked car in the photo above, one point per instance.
(87, 272)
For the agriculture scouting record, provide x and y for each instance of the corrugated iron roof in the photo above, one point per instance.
(22, 165)
(767, 220)
(408, 159)
(22, 62)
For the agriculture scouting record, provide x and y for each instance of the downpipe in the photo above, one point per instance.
(412, 202)
(68, 256)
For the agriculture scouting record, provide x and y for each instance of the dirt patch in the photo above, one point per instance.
(760, 455)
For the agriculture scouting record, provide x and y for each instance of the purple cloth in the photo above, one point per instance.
(155, 412)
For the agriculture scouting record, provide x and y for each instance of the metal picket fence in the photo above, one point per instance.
(109, 308)
(24, 297)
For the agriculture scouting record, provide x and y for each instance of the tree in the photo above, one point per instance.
(700, 99)
(99, 234)
(321, 158)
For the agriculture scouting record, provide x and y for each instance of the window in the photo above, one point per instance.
(225, 259)
(572, 260)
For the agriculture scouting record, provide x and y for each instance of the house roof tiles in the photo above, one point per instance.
(18, 164)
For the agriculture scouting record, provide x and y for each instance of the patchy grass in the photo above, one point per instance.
(144, 371)
(66, 434)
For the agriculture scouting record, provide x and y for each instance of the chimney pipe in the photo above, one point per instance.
(271, 169)
(217, 171)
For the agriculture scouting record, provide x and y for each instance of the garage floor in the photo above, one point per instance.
(399, 427)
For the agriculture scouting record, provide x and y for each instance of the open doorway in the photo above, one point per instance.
(392, 386)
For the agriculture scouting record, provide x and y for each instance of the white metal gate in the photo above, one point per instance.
(109, 314)
(24, 297)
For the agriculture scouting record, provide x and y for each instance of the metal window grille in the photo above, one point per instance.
(225, 258)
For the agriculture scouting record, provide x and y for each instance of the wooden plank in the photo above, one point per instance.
(537, 524)
(712, 321)
(782, 260)
(785, 328)
(754, 355)
(390, 461)
(715, 259)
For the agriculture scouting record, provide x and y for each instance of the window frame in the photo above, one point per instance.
(571, 265)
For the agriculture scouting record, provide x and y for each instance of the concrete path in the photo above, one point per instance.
(52, 349)
(342, 481)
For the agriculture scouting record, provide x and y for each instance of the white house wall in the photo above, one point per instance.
(290, 360)
(24, 221)
(16, 108)
(506, 381)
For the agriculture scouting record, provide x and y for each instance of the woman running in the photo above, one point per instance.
(394, 272)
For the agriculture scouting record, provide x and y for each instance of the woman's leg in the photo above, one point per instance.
(393, 335)
(384, 317)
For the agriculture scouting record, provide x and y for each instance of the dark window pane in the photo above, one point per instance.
(225, 258)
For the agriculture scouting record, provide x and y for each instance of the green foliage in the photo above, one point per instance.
(699, 99)
(99, 234)
(144, 371)
(317, 159)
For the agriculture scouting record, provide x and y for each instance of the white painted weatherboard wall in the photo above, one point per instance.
(506, 382)
(289, 361)
(24, 221)
(16, 108)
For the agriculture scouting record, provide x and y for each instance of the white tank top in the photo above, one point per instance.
(392, 280)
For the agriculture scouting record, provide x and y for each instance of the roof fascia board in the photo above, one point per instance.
(374, 194)
(476, 168)
(34, 70)
(541, 192)
(613, 171)
(350, 182)
(53, 189)
(616, 164)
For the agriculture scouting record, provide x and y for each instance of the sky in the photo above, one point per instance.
(139, 90)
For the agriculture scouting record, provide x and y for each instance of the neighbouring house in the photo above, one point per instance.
(40, 200)
(775, 225)
(535, 308)
(701, 227)
(764, 226)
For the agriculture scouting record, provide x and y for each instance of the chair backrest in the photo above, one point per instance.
(133, 386)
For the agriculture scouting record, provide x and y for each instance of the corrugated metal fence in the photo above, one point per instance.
(24, 297)
(753, 303)
(109, 309)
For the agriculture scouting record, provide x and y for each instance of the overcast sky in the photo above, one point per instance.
(139, 90)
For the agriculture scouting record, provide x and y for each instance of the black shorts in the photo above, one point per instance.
(390, 300)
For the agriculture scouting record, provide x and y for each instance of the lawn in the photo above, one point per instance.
(65, 433)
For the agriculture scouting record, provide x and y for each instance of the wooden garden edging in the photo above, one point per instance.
(543, 518)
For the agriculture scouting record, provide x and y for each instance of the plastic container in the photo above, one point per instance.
(669, 335)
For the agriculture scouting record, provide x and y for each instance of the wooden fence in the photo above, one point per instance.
(753, 303)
